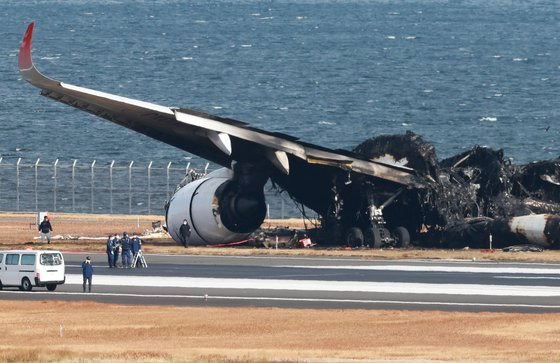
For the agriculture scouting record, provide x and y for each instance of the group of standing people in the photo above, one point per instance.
(127, 247)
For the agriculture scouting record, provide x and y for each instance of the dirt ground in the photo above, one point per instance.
(88, 232)
(87, 331)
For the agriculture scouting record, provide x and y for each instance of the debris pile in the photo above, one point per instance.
(281, 238)
(473, 195)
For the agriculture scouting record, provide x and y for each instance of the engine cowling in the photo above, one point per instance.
(218, 209)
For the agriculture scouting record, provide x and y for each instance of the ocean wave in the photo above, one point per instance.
(488, 119)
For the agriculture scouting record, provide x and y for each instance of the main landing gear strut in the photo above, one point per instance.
(375, 233)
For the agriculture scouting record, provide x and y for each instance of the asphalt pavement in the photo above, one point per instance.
(313, 282)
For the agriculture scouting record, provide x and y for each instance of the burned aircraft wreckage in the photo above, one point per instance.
(471, 199)
(389, 190)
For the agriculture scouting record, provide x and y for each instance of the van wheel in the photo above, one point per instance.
(26, 284)
(51, 287)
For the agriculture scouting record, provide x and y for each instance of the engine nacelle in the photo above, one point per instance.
(217, 208)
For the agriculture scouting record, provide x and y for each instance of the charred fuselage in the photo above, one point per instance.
(474, 195)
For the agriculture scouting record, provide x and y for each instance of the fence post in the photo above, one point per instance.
(150, 187)
(1, 178)
(36, 185)
(55, 185)
(168, 166)
(74, 185)
(282, 199)
(92, 183)
(130, 187)
(111, 186)
(17, 184)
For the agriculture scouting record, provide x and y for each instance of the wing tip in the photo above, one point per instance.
(25, 62)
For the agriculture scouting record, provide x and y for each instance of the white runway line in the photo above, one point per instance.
(289, 299)
(317, 285)
(466, 269)
(528, 277)
(425, 268)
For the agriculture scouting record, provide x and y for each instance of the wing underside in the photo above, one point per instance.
(217, 139)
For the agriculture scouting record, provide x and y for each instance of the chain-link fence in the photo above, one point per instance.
(103, 187)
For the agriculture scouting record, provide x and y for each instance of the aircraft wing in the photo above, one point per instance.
(220, 140)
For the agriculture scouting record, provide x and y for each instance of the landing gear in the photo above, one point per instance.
(354, 237)
(373, 238)
(402, 237)
(377, 234)
(377, 237)
(355, 216)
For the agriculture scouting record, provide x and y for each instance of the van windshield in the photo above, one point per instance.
(51, 259)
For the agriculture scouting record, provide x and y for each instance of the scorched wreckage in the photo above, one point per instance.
(389, 190)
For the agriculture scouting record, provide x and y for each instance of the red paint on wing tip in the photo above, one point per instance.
(24, 60)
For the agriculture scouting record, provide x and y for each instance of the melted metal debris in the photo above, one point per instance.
(473, 194)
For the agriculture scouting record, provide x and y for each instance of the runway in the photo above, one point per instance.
(312, 282)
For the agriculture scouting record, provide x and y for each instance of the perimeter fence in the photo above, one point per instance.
(104, 187)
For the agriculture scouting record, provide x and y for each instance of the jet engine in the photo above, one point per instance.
(220, 208)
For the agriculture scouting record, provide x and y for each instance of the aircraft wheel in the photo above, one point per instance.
(26, 284)
(354, 237)
(1, 286)
(373, 237)
(51, 287)
(402, 237)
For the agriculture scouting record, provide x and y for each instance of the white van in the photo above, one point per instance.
(28, 268)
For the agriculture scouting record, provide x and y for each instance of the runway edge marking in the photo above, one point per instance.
(288, 299)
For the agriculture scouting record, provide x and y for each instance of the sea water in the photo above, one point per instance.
(332, 73)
